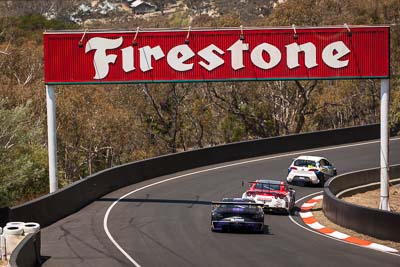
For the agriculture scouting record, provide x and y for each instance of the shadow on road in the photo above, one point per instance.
(155, 200)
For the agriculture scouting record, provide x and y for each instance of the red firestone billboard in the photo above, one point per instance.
(216, 55)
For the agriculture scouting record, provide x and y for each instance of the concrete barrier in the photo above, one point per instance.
(373, 222)
(50, 208)
(27, 253)
(53, 207)
(4, 216)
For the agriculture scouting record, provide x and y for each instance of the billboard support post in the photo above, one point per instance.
(52, 137)
(167, 55)
(384, 146)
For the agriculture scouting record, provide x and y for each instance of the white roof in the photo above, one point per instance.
(314, 158)
(268, 181)
(139, 2)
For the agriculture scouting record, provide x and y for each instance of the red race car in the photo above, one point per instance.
(273, 195)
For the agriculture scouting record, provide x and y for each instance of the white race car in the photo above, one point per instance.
(273, 195)
(310, 169)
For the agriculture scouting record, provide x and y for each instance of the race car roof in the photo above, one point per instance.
(236, 199)
(265, 181)
(314, 158)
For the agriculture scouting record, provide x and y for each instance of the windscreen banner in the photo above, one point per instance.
(205, 55)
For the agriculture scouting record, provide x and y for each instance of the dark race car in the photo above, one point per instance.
(237, 214)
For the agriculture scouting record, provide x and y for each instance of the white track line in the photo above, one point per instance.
(105, 221)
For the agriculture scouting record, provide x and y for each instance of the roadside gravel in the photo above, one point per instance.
(369, 199)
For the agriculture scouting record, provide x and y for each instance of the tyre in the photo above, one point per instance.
(31, 227)
(321, 180)
(15, 224)
(13, 230)
(291, 211)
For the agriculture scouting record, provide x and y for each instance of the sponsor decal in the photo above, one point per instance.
(215, 55)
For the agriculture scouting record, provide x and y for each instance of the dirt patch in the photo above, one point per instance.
(369, 199)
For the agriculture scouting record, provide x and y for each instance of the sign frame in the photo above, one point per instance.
(77, 42)
(240, 33)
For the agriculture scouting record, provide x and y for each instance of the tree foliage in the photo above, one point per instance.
(23, 172)
(103, 126)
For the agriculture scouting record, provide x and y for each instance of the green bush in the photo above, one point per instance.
(23, 168)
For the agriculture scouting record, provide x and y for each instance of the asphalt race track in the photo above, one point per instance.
(168, 224)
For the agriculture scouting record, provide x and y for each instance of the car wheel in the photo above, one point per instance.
(290, 209)
(321, 180)
(293, 205)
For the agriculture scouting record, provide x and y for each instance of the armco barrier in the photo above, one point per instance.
(27, 253)
(50, 208)
(373, 222)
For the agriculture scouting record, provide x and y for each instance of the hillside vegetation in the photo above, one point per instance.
(107, 125)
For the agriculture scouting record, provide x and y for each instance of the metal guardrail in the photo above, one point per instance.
(373, 222)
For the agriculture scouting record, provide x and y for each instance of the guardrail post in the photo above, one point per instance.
(52, 137)
(384, 147)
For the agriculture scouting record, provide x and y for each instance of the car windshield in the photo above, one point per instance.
(304, 163)
(267, 186)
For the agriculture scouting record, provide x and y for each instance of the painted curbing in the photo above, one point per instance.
(309, 219)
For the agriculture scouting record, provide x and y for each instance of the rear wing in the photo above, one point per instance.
(280, 183)
(255, 182)
(235, 203)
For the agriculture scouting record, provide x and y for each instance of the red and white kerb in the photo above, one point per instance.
(309, 219)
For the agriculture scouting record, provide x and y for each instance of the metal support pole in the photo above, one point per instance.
(51, 137)
(384, 148)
